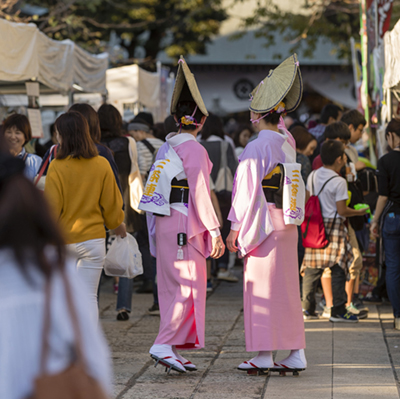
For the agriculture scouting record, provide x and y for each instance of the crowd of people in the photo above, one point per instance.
(187, 191)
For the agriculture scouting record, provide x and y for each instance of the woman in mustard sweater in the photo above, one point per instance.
(82, 190)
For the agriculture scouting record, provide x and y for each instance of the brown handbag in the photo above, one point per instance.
(74, 382)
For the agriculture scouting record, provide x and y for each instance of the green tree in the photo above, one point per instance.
(176, 26)
(337, 20)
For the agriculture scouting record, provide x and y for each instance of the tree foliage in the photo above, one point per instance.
(337, 20)
(176, 26)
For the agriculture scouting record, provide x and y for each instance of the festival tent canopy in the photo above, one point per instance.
(28, 54)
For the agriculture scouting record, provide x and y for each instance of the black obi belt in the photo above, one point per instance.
(179, 191)
(272, 185)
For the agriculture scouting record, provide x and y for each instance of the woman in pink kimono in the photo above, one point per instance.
(272, 308)
(188, 233)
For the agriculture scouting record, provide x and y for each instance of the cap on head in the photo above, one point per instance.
(283, 84)
(186, 89)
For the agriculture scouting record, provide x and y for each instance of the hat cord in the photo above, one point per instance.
(279, 109)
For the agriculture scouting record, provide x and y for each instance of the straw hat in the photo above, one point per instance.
(186, 89)
(282, 84)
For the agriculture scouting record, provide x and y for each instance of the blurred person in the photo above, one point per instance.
(385, 223)
(29, 258)
(183, 229)
(147, 144)
(170, 125)
(265, 237)
(330, 113)
(159, 131)
(356, 123)
(17, 133)
(125, 155)
(213, 140)
(93, 199)
(53, 137)
(241, 137)
(147, 117)
(305, 147)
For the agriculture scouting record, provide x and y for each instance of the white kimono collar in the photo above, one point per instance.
(174, 139)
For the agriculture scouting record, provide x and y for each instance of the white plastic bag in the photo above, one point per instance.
(123, 259)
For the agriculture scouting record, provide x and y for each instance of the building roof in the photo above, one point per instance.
(251, 50)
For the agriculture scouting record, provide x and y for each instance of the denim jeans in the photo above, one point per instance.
(125, 289)
(310, 282)
(90, 261)
(391, 245)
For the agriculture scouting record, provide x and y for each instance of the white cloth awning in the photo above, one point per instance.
(26, 53)
(392, 58)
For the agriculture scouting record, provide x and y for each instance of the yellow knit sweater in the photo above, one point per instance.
(85, 197)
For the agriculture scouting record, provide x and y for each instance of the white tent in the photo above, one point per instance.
(133, 85)
(392, 58)
(26, 53)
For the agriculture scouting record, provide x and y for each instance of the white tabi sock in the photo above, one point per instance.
(296, 360)
(263, 360)
(166, 351)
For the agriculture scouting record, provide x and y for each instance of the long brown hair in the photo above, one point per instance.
(92, 119)
(302, 137)
(26, 226)
(75, 137)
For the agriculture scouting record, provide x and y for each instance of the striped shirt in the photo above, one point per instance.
(145, 157)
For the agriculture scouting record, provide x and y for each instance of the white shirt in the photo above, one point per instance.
(21, 315)
(334, 191)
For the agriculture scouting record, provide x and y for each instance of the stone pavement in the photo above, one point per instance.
(344, 361)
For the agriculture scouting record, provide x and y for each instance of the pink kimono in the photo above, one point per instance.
(273, 315)
(182, 283)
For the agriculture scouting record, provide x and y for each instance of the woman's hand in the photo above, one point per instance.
(120, 230)
(218, 247)
(231, 241)
(374, 229)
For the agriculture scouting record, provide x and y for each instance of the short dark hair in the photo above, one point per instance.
(110, 121)
(329, 111)
(393, 127)
(337, 130)
(185, 108)
(170, 124)
(92, 119)
(353, 117)
(273, 118)
(75, 137)
(330, 151)
(212, 127)
(159, 131)
(21, 123)
(302, 137)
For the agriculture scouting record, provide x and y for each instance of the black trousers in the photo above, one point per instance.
(310, 283)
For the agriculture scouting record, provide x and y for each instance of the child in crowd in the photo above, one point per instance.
(356, 123)
(337, 256)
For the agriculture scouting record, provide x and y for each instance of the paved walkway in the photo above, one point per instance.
(344, 361)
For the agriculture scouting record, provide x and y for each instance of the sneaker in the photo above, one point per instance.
(358, 303)
(344, 318)
(209, 286)
(123, 315)
(326, 313)
(363, 314)
(154, 310)
(309, 316)
(227, 276)
(397, 323)
(352, 309)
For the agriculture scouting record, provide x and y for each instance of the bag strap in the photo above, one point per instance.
(149, 146)
(44, 165)
(333, 177)
(25, 156)
(47, 323)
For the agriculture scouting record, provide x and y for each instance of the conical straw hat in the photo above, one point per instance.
(186, 89)
(283, 83)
